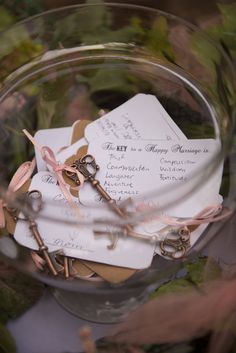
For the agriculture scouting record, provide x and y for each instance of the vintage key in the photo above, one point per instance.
(37, 196)
(176, 247)
(88, 167)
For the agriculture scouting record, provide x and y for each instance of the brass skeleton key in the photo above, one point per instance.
(37, 196)
(88, 167)
(42, 247)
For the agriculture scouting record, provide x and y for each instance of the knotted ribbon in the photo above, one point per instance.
(209, 214)
(20, 177)
(49, 157)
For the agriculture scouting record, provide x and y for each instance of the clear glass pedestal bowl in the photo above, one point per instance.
(81, 61)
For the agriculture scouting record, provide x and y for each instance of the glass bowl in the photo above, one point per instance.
(82, 61)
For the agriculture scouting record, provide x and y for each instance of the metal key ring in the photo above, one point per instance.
(88, 159)
(34, 196)
(184, 235)
(173, 248)
(179, 254)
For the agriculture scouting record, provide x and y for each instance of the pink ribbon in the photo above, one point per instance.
(50, 159)
(20, 177)
(207, 215)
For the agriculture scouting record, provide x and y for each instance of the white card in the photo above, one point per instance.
(78, 240)
(141, 117)
(53, 138)
(70, 151)
(164, 170)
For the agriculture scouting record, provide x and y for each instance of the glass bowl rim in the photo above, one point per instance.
(121, 6)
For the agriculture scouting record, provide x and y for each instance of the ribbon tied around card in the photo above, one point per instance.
(50, 159)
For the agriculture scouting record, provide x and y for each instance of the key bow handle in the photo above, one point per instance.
(87, 166)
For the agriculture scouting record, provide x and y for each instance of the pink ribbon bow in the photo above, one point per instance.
(22, 174)
(50, 159)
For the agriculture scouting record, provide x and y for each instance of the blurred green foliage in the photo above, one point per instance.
(7, 344)
(20, 9)
(6, 18)
(196, 273)
(225, 32)
(17, 293)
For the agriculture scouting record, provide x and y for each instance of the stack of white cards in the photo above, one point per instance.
(140, 151)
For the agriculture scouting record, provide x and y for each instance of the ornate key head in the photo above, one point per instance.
(175, 245)
(31, 202)
(87, 166)
(174, 249)
(35, 200)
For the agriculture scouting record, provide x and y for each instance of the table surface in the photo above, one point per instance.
(48, 328)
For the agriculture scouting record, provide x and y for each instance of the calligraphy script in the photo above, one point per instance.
(131, 121)
(129, 168)
(77, 239)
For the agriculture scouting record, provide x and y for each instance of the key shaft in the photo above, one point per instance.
(42, 247)
(96, 184)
